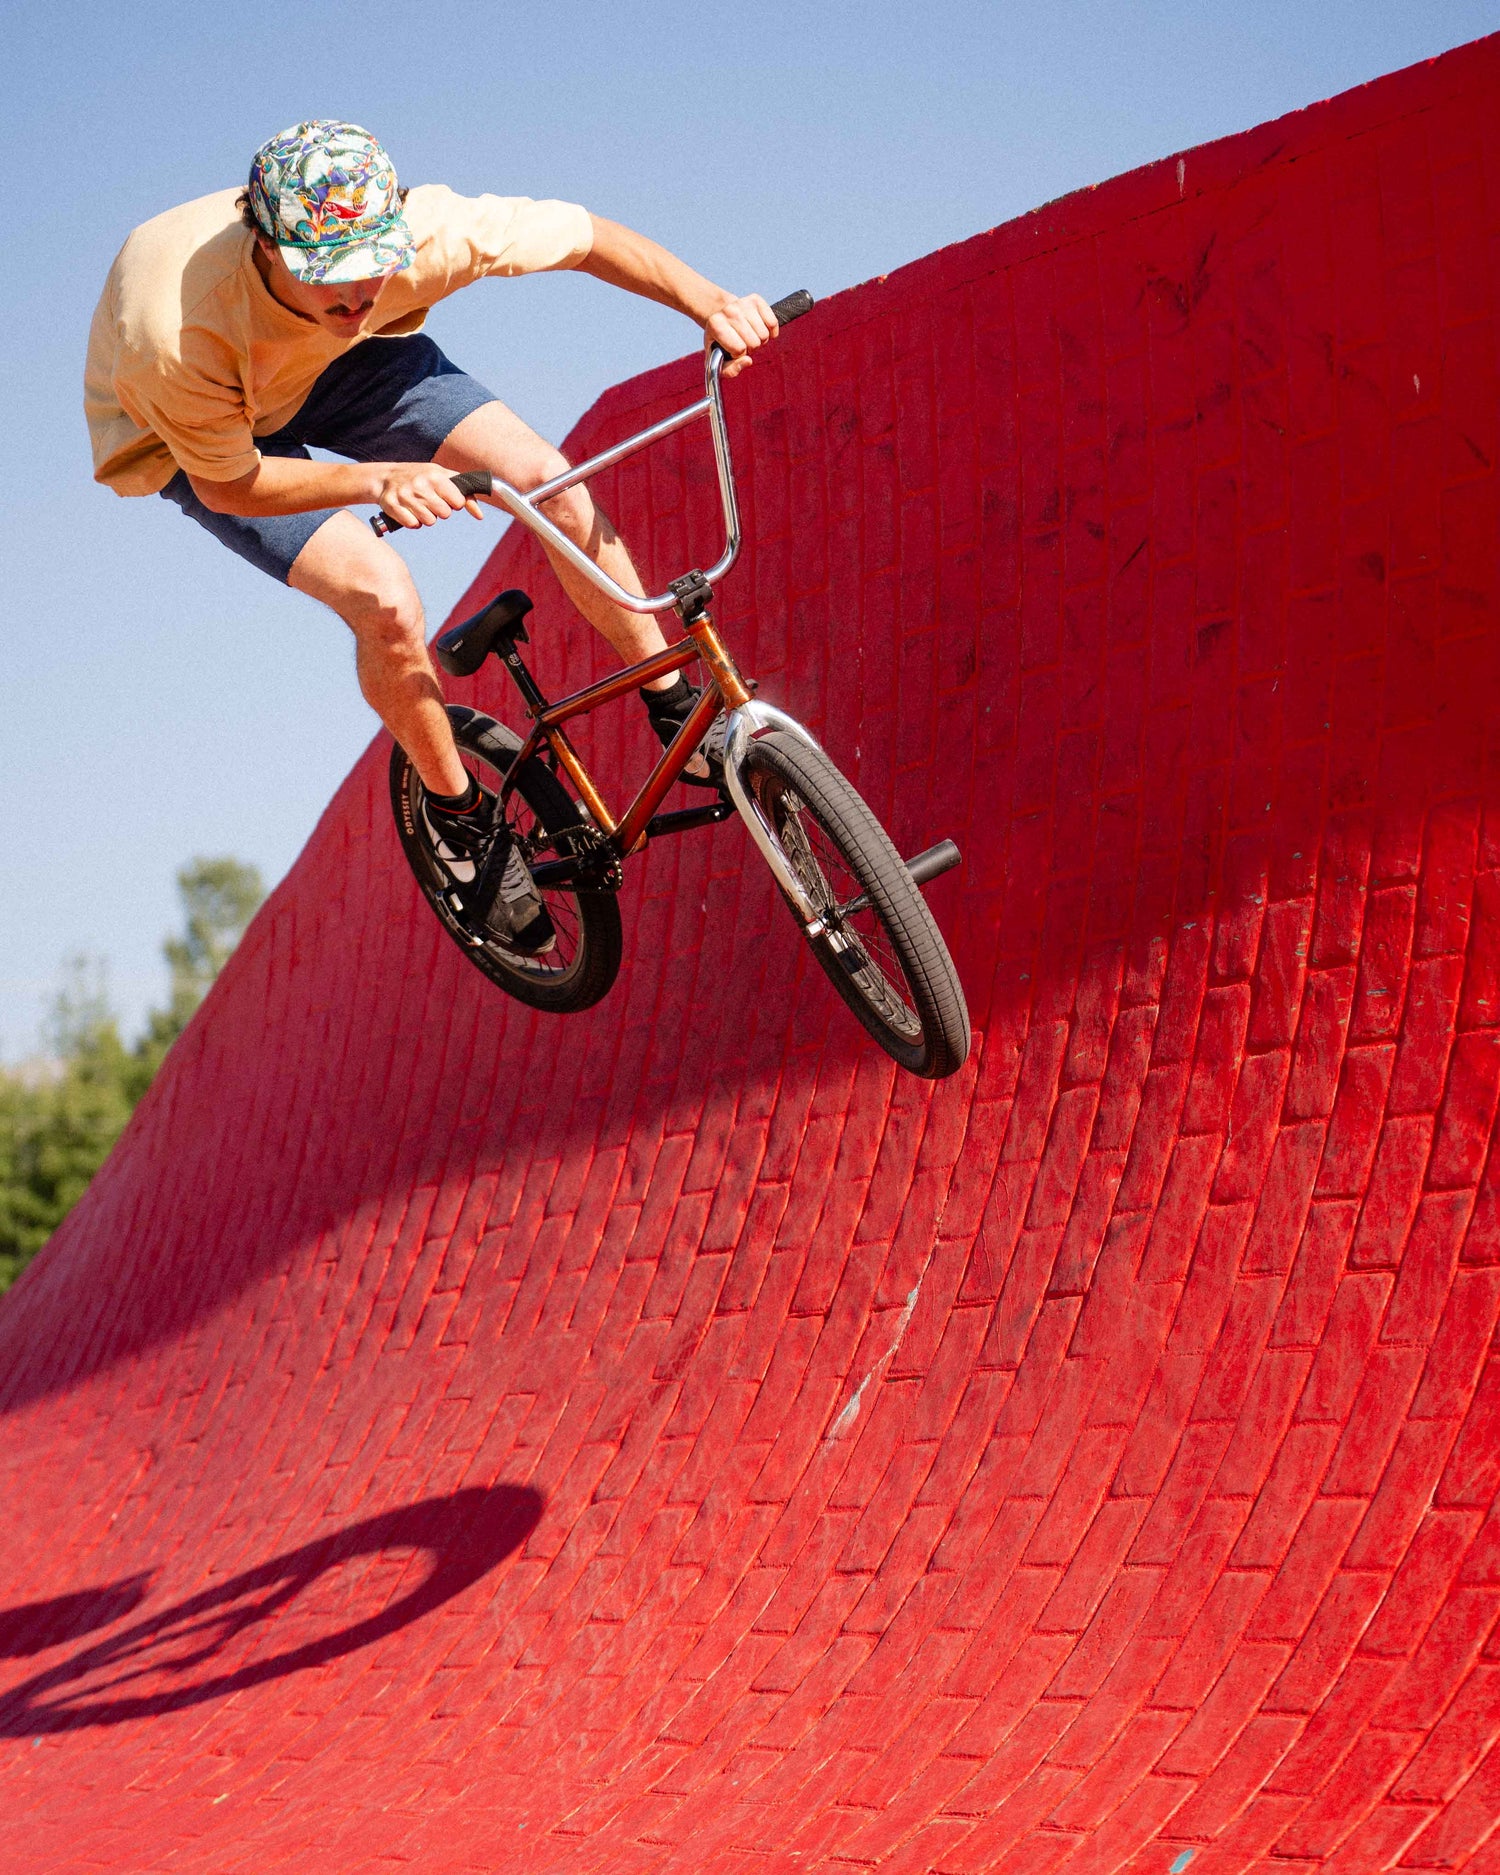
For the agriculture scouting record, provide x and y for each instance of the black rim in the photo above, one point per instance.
(535, 843)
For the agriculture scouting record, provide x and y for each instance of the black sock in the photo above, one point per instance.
(675, 702)
(464, 803)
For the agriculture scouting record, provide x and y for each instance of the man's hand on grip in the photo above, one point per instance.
(419, 493)
(739, 327)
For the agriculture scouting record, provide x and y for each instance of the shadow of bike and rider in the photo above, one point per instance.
(174, 1658)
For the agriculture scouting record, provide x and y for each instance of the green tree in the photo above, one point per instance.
(219, 898)
(59, 1118)
(58, 1122)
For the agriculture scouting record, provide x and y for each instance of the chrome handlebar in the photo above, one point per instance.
(526, 507)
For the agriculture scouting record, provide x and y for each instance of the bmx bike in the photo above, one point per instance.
(854, 899)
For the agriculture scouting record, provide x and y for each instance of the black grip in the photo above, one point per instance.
(470, 482)
(793, 306)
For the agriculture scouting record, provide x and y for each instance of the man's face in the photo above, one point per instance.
(342, 309)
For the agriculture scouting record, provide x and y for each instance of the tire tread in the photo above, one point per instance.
(896, 900)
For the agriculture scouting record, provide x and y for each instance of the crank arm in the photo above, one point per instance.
(554, 872)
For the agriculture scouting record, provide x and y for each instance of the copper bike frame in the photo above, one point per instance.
(726, 689)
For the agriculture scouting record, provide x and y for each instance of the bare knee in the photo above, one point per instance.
(385, 615)
(574, 510)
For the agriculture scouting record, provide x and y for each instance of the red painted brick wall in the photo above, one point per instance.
(665, 1440)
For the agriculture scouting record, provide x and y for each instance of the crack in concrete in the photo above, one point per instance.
(849, 1412)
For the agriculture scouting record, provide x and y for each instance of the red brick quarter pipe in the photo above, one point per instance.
(665, 1439)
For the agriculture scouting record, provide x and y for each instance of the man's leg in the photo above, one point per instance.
(494, 438)
(368, 585)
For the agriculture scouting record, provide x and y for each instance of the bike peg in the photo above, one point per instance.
(935, 861)
(470, 482)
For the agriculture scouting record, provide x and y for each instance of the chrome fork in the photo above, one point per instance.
(744, 725)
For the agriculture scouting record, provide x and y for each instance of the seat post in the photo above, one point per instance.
(531, 692)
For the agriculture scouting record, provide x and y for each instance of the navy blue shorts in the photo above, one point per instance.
(388, 400)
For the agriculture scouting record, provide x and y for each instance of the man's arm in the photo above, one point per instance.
(623, 258)
(419, 493)
(416, 493)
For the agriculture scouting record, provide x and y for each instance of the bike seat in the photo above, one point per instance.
(463, 648)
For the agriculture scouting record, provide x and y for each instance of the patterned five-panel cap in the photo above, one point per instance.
(326, 194)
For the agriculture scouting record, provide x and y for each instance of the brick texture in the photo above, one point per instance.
(667, 1440)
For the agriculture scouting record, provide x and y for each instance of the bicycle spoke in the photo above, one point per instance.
(580, 961)
(828, 880)
(534, 843)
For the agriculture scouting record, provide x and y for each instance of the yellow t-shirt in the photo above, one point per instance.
(191, 358)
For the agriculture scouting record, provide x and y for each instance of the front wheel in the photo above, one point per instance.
(585, 960)
(880, 948)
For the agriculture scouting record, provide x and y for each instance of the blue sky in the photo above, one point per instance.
(163, 699)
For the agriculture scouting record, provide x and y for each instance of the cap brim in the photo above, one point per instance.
(390, 251)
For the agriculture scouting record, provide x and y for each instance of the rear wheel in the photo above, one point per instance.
(541, 813)
(881, 948)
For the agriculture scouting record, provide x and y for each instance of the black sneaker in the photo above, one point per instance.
(509, 904)
(667, 711)
(460, 838)
(491, 875)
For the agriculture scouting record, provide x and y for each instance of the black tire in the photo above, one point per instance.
(893, 969)
(586, 959)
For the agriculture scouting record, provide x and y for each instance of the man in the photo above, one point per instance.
(237, 330)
